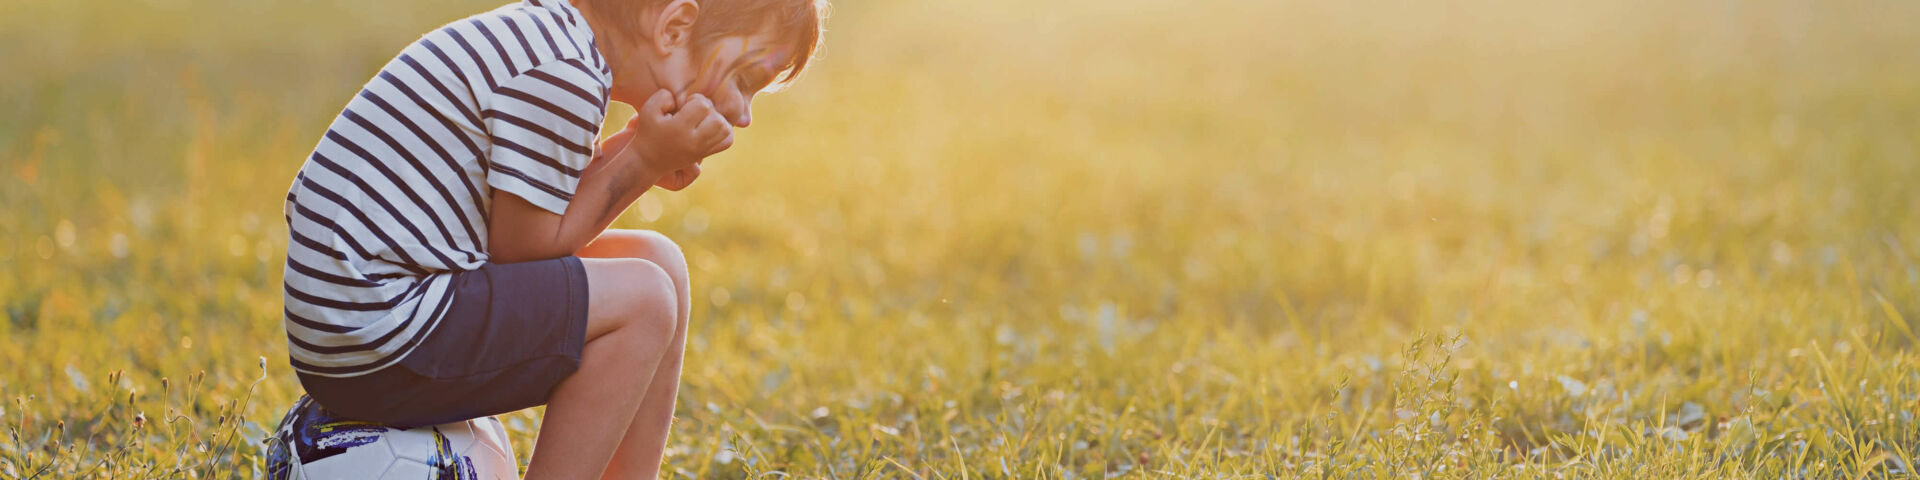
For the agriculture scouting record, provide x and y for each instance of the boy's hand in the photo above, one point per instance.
(679, 179)
(671, 144)
(617, 142)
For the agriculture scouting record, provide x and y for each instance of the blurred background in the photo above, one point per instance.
(1077, 238)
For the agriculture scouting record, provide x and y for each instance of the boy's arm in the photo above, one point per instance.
(519, 231)
(621, 170)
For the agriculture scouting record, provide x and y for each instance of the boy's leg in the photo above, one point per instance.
(645, 441)
(631, 317)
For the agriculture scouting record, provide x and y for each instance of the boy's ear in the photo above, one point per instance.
(673, 28)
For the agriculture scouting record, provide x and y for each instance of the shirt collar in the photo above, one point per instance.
(576, 26)
(563, 7)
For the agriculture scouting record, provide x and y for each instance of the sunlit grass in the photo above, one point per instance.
(1078, 239)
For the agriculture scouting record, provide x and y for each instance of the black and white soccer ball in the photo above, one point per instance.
(313, 444)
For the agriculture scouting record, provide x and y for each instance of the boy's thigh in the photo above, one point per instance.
(509, 335)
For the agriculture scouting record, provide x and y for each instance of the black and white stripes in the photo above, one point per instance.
(393, 200)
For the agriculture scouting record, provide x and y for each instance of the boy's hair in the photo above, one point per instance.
(798, 22)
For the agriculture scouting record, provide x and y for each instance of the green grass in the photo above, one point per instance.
(1001, 239)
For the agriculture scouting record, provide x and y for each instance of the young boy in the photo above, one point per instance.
(449, 253)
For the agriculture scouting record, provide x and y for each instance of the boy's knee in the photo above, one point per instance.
(663, 252)
(641, 312)
(652, 301)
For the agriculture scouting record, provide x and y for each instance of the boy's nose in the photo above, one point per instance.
(744, 119)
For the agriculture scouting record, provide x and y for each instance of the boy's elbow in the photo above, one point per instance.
(517, 231)
(500, 253)
(498, 256)
(510, 245)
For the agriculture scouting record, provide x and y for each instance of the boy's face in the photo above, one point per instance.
(729, 70)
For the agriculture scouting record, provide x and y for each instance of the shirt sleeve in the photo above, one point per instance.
(543, 124)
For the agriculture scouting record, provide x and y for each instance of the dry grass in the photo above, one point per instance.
(1000, 239)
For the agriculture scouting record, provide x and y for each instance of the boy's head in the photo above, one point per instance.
(727, 50)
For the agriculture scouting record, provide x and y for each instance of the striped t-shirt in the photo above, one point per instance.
(394, 198)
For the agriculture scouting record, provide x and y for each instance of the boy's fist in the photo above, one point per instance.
(672, 140)
(678, 179)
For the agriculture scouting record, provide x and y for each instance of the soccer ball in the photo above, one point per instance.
(314, 444)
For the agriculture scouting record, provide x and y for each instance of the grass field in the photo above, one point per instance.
(1077, 239)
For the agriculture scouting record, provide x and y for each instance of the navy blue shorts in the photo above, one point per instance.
(513, 332)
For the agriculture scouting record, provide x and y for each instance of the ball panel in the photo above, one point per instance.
(491, 444)
(280, 462)
(318, 434)
(313, 443)
(492, 455)
(459, 436)
(404, 469)
(412, 444)
(359, 462)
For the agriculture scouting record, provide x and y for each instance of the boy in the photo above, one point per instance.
(449, 253)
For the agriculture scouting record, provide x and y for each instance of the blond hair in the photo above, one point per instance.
(800, 23)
